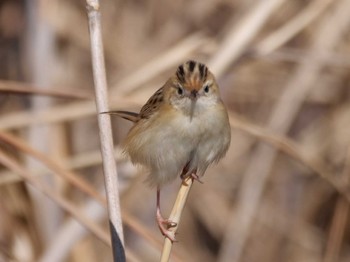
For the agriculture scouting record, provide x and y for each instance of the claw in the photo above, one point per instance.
(192, 175)
(164, 226)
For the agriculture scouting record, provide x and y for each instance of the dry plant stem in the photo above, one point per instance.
(293, 150)
(337, 230)
(55, 114)
(281, 119)
(170, 58)
(298, 56)
(293, 27)
(79, 183)
(243, 32)
(77, 110)
(66, 205)
(69, 233)
(78, 161)
(237, 122)
(175, 216)
(68, 175)
(82, 160)
(40, 53)
(340, 217)
(105, 129)
(24, 88)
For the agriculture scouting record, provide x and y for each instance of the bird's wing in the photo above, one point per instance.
(153, 104)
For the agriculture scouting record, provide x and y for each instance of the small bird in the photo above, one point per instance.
(180, 131)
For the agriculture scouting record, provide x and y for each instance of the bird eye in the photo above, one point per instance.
(179, 90)
(206, 89)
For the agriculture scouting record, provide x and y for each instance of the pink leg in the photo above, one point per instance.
(164, 224)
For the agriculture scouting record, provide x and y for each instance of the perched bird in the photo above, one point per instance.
(180, 131)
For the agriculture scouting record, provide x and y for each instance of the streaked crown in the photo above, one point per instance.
(192, 74)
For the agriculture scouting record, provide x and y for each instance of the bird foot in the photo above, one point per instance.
(164, 226)
(192, 175)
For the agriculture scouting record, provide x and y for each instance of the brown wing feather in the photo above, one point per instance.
(147, 110)
(152, 104)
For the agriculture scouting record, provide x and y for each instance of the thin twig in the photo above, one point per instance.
(70, 232)
(292, 149)
(79, 183)
(83, 160)
(175, 216)
(292, 27)
(78, 161)
(340, 217)
(256, 175)
(78, 110)
(241, 35)
(104, 124)
(24, 88)
(54, 114)
(68, 175)
(337, 230)
(66, 205)
(168, 59)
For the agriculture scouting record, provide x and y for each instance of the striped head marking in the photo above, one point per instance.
(193, 89)
(192, 74)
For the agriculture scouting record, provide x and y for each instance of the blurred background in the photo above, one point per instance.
(280, 194)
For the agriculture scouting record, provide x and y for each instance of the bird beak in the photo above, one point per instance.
(193, 97)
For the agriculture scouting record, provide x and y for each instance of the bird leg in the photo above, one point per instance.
(164, 224)
(193, 174)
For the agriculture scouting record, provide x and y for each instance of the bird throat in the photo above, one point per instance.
(192, 108)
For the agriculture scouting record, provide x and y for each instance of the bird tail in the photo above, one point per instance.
(131, 116)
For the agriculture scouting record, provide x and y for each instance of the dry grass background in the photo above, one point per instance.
(281, 193)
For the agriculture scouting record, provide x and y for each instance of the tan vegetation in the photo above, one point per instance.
(280, 194)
